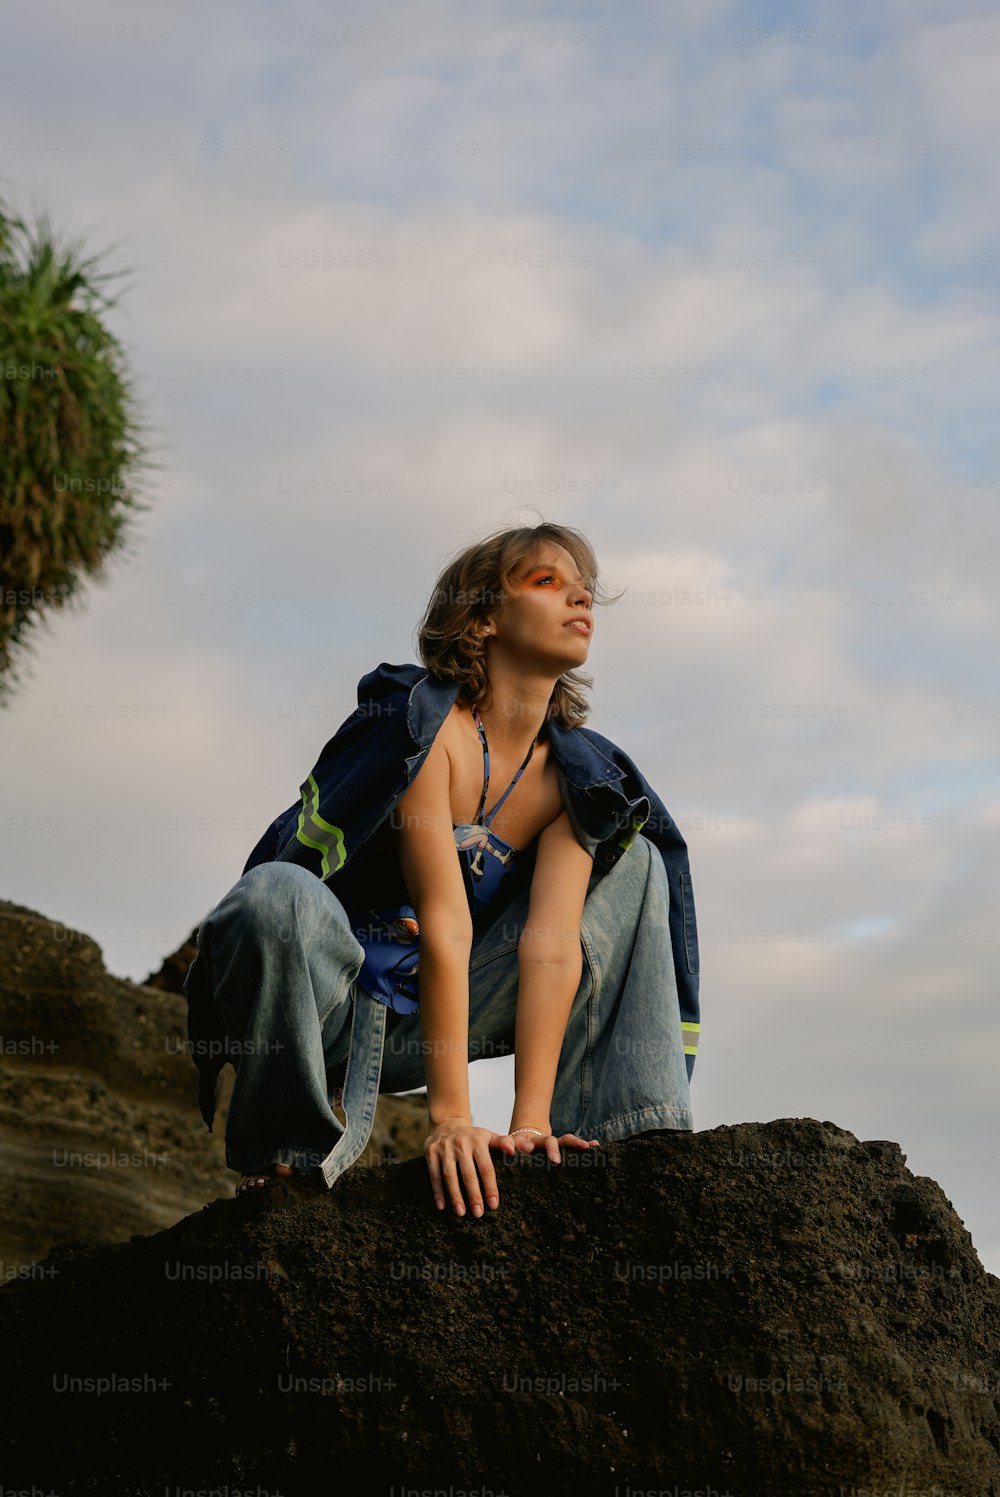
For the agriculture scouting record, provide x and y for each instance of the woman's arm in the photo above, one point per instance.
(550, 964)
(433, 877)
(457, 1153)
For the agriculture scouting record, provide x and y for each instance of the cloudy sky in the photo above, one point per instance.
(717, 285)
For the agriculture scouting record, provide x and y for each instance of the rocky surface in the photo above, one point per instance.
(100, 1135)
(758, 1310)
(766, 1310)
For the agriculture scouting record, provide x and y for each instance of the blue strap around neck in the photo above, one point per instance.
(486, 772)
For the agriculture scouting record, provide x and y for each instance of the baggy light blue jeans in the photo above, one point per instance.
(283, 964)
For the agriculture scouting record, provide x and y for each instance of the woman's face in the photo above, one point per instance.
(536, 623)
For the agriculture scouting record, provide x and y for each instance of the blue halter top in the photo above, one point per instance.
(389, 974)
(486, 856)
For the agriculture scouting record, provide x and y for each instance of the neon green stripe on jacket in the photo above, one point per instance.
(317, 833)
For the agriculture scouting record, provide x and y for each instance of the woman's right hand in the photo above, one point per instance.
(457, 1151)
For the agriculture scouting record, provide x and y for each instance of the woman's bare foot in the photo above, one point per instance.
(259, 1180)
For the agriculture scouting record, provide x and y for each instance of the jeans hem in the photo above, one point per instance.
(248, 1163)
(645, 1120)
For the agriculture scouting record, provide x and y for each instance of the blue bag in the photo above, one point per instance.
(391, 945)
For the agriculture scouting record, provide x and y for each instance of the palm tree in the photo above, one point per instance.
(70, 438)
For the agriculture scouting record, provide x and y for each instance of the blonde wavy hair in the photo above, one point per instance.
(475, 583)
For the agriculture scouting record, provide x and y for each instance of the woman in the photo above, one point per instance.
(541, 935)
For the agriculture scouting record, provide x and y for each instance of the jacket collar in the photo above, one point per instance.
(577, 756)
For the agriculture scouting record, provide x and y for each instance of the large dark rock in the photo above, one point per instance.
(768, 1310)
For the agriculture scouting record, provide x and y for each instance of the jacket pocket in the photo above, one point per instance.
(690, 925)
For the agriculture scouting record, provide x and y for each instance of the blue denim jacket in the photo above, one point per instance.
(365, 768)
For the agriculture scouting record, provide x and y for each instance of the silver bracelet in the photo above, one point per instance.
(528, 1130)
